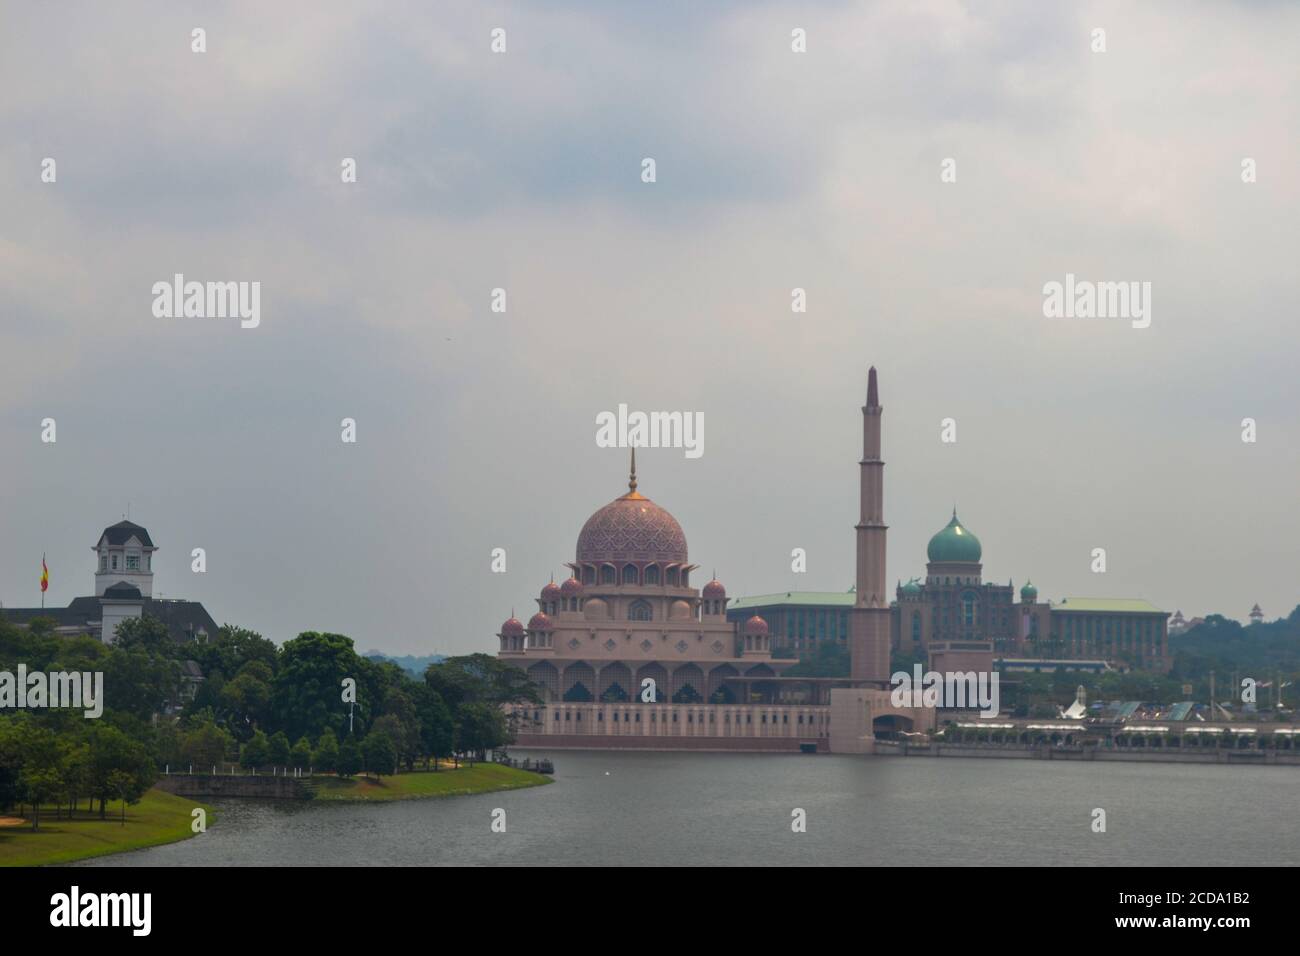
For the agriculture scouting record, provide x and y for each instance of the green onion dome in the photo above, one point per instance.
(954, 544)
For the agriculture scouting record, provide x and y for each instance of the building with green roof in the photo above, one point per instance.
(952, 604)
(799, 621)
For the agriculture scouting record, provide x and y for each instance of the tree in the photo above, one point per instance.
(308, 686)
(349, 762)
(256, 752)
(119, 782)
(480, 678)
(139, 681)
(205, 745)
(380, 752)
(11, 761)
(110, 751)
(74, 759)
(405, 743)
(279, 748)
(300, 755)
(168, 743)
(247, 698)
(40, 777)
(145, 632)
(326, 755)
(232, 648)
(481, 727)
(437, 729)
(401, 719)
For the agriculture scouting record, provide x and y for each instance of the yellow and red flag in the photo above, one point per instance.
(45, 576)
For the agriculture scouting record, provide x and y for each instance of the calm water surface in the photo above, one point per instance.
(735, 809)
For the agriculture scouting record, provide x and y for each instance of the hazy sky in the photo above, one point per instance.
(522, 170)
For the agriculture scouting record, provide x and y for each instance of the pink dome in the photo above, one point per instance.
(551, 592)
(512, 628)
(571, 587)
(714, 589)
(756, 626)
(539, 622)
(631, 528)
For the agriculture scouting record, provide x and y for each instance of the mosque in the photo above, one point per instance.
(629, 655)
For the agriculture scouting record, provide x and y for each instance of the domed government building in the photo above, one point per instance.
(952, 611)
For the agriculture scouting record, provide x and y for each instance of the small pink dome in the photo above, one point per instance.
(539, 622)
(512, 628)
(571, 587)
(714, 589)
(551, 592)
(756, 626)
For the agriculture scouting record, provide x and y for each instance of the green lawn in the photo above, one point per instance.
(158, 818)
(481, 778)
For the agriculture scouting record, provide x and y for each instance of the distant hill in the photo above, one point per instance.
(415, 666)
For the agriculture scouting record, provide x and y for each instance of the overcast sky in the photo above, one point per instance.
(522, 170)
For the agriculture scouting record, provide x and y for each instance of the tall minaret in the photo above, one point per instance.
(869, 630)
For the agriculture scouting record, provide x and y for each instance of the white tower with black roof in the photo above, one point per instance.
(124, 555)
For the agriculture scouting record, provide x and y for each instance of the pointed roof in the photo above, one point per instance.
(121, 533)
(122, 591)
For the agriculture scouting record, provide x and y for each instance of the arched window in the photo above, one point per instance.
(588, 575)
(640, 611)
(578, 693)
(916, 626)
(968, 610)
(652, 574)
(672, 577)
(608, 575)
(629, 574)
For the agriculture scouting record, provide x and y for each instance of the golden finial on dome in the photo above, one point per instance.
(632, 493)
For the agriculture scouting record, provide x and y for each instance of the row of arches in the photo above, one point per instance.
(617, 682)
(652, 574)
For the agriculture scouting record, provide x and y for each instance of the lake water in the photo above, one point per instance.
(735, 809)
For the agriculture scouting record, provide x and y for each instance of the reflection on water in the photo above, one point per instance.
(647, 808)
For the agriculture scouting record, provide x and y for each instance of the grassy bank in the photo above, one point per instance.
(447, 782)
(158, 818)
